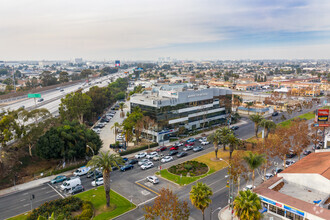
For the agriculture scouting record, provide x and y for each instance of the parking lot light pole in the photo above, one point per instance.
(94, 169)
(230, 193)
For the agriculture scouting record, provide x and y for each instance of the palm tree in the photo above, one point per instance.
(200, 196)
(237, 101)
(256, 119)
(224, 131)
(215, 138)
(115, 126)
(249, 105)
(233, 142)
(122, 106)
(105, 161)
(247, 205)
(254, 161)
(268, 125)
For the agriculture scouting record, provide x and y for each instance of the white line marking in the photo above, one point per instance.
(216, 181)
(26, 205)
(48, 192)
(25, 193)
(219, 190)
(55, 190)
(43, 187)
(22, 200)
(147, 201)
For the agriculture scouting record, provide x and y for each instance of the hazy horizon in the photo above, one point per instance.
(146, 30)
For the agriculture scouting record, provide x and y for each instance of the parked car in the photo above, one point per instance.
(140, 155)
(96, 130)
(161, 148)
(291, 155)
(179, 144)
(126, 167)
(205, 142)
(172, 152)
(132, 161)
(275, 114)
(98, 182)
(190, 140)
(153, 179)
(174, 148)
(202, 139)
(147, 165)
(249, 187)
(234, 128)
(166, 159)
(188, 148)
(268, 176)
(190, 144)
(198, 148)
(151, 155)
(278, 171)
(76, 189)
(105, 120)
(58, 179)
(90, 174)
(101, 125)
(306, 152)
(69, 184)
(182, 154)
(81, 171)
(143, 161)
(289, 163)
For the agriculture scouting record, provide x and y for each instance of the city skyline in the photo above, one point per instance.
(61, 30)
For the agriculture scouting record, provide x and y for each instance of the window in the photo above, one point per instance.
(280, 211)
(272, 208)
(289, 215)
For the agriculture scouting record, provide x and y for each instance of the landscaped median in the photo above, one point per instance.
(187, 177)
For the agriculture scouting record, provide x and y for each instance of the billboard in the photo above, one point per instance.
(117, 63)
(323, 115)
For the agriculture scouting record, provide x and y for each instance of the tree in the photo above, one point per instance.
(257, 119)
(200, 196)
(115, 126)
(148, 124)
(99, 99)
(138, 129)
(247, 205)
(122, 106)
(64, 77)
(237, 168)
(237, 101)
(233, 142)
(215, 139)
(224, 131)
(167, 207)
(249, 106)
(268, 125)
(254, 161)
(105, 162)
(48, 78)
(75, 106)
(86, 72)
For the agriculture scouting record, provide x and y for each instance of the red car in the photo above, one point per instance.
(190, 144)
(161, 148)
(174, 148)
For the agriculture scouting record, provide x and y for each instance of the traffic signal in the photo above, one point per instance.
(227, 185)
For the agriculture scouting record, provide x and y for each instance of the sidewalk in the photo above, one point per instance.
(225, 214)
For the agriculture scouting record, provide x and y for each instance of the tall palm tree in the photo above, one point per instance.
(257, 120)
(233, 142)
(224, 131)
(254, 161)
(249, 106)
(200, 196)
(215, 138)
(268, 125)
(115, 126)
(105, 161)
(121, 107)
(247, 205)
(237, 101)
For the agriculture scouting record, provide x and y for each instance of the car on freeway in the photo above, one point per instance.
(182, 154)
(190, 144)
(132, 161)
(205, 142)
(179, 144)
(140, 155)
(172, 152)
(198, 148)
(143, 161)
(306, 152)
(61, 90)
(76, 189)
(166, 159)
(152, 155)
(58, 179)
(40, 100)
(188, 148)
(161, 148)
(126, 167)
(234, 128)
(147, 165)
(98, 182)
(152, 179)
(289, 163)
(275, 114)
(174, 148)
(190, 140)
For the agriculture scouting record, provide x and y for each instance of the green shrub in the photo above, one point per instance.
(187, 166)
(138, 149)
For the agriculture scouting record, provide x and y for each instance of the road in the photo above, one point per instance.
(132, 185)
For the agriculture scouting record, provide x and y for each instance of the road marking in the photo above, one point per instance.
(219, 190)
(43, 187)
(216, 181)
(25, 193)
(145, 192)
(22, 200)
(55, 190)
(26, 205)
(147, 188)
(48, 192)
(142, 203)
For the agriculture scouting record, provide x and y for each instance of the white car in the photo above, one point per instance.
(98, 182)
(143, 161)
(147, 165)
(166, 159)
(249, 187)
(153, 179)
(152, 155)
(156, 158)
(289, 163)
(97, 130)
(140, 155)
(202, 139)
(268, 176)
(205, 142)
(188, 148)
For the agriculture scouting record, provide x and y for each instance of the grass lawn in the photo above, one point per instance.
(307, 116)
(206, 158)
(19, 217)
(118, 204)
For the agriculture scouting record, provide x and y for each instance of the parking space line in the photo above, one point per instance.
(147, 188)
(55, 190)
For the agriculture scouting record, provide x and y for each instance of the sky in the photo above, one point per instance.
(149, 29)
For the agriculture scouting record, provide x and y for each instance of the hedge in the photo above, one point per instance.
(138, 149)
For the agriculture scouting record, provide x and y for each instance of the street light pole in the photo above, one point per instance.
(230, 190)
(94, 169)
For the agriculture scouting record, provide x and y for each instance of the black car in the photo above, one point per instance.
(173, 152)
(105, 120)
(275, 114)
(76, 189)
(98, 174)
(114, 168)
(278, 171)
(306, 152)
(291, 155)
(132, 161)
(182, 154)
(234, 128)
(126, 167)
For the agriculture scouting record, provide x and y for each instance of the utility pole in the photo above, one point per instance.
(31, 198)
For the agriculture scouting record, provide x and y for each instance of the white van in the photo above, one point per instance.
(69, 184)
(81, 171)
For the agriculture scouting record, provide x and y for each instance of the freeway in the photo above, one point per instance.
(132, 185)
